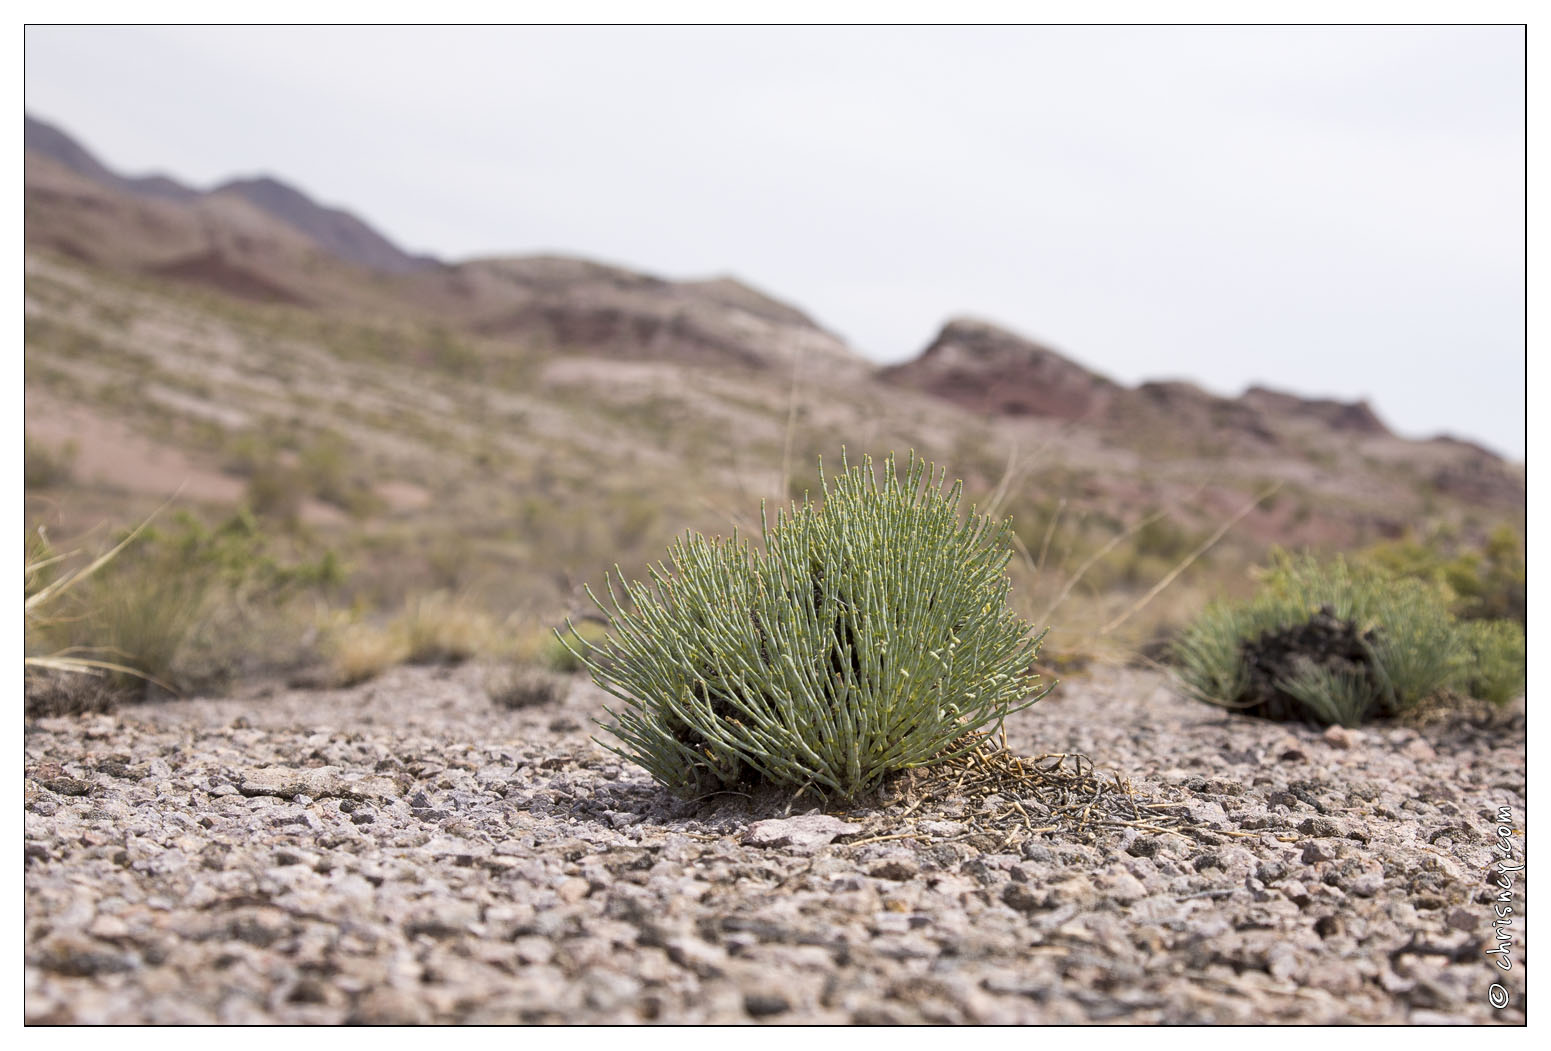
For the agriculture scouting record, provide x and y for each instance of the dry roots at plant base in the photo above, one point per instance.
(1008, 798)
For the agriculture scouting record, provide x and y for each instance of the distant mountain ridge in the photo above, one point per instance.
(333, 230)
(989, 369)
(46, 139)
(263, 240)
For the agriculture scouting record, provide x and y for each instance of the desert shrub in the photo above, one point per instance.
(1497, 659)
(524, 687)
(275, 491)
(1163, 538)
(327, 470)
(77, 692)
(62, 677)
(871, 634)
(440, 629)
(554, 654)
(358, 651)
(1334, 643)
(1485, 583)
(154, 611)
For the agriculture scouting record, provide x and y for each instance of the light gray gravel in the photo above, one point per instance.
(407, 851)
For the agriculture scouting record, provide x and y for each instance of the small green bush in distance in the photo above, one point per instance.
(870, 635)
(1484, 584)
(145, 616)
(1497, 659)
(1344, 643)
(556, 656)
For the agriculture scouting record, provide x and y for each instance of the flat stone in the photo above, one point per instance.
(763, 1005)
(1316, 850)
(573, 890)
(1341, 737)
(323, 782)
(807, 830)
(1124, 888)
(67, 786)
(79, 957)
(896, 868)
(1024, 898)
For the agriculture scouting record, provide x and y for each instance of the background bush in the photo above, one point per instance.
(1496, 664)
(1485, 582)
(1345, 642)
(178, 604)
(871, 634)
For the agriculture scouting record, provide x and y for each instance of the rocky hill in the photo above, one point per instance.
(263, 240)
(989, 369)
(548, 416)
(333, 230)
(41, 139)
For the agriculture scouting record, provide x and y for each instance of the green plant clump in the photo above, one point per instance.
(1485, 584)
(870, 635)
(1343, 643)
(141, 617)
(1496, 659)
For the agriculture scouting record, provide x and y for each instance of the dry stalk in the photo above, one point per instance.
(1173, 574)
(791, 423)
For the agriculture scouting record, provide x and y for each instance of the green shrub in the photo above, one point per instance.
(1340, 643)
(165, 597)
(870, 635)
(1497, 663)
(1484, 584)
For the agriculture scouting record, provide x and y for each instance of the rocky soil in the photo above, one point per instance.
(408, 851)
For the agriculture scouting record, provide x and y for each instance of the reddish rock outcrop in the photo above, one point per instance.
(1355, 416)
(986, 368)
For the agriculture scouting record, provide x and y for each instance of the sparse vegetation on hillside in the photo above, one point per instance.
(870, 635)
(1344, 643)
(178, 607)
(44, 467)
(434, 455)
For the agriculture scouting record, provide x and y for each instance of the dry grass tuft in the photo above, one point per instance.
(358, 652)
(519, 687)
(441, 629)
(50, 693)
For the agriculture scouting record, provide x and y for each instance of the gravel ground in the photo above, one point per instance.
(407, 851)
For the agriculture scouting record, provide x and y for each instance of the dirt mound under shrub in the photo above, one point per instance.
(1324, 640)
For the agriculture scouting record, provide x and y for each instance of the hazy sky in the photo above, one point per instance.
(1333, 211)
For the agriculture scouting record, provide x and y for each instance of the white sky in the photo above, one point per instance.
(1332, 211)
